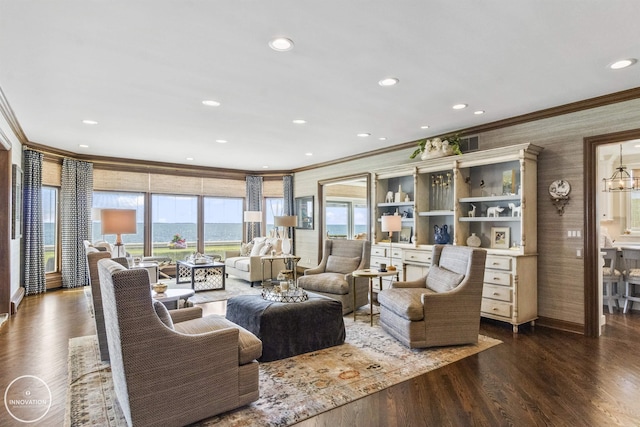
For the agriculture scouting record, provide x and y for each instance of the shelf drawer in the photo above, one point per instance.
(423, 257)
(498, 262)
(497, 278)
(496, 308)
(501, 293)
(396, 253)
(378, 251)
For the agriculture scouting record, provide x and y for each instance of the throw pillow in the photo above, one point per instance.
(163, 314)
(245, 249)
(342, 264)
(257, 247)
(266, 249)
(442, 280)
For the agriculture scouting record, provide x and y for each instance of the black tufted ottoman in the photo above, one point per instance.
(287, 329)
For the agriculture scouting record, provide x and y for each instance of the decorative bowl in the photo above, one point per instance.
(159, 287)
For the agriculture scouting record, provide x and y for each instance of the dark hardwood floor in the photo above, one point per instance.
(538, 377)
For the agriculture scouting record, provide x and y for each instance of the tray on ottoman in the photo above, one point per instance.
(288, 329)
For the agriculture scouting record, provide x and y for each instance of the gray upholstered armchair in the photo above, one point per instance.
(166, 374)
(333, 279)
(442, 308)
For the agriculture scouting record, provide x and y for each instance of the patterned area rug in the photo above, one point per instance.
(291, 390)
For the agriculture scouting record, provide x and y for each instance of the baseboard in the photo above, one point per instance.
(562, 325)
(16, 299)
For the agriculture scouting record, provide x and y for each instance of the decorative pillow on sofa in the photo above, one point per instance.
(342, 264)
(257, 247)
(266, 249)
(245, 248)
(442, 280)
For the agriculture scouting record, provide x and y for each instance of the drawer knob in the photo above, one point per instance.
(495, 263)
(496, 278)
(495, 309)
(495, 293)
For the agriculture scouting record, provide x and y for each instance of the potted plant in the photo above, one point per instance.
(437, 147)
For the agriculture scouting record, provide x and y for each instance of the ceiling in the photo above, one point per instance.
(141, 69)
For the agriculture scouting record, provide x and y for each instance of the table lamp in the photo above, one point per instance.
(391, 223)
(285, 222)
(252, 217)
(118, 222)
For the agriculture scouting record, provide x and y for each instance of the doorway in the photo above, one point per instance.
(592, 185)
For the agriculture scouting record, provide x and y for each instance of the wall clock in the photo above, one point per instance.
(559, 189)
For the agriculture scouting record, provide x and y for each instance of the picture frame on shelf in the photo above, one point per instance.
(500, 237)
(509, 182)
(304, 212)
(405, 235)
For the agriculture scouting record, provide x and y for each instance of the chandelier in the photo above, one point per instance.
(621, 180)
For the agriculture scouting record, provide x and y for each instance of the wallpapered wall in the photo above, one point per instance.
(560, 272)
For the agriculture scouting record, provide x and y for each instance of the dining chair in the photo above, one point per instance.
(631, 259)
(611, 277)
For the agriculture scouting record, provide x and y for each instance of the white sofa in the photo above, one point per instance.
(247, 265)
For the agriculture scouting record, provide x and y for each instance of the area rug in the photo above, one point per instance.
(291, 390)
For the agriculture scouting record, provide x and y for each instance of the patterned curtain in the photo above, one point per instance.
(254, 203)
(289, 207)
(77, 198)
(34, 271)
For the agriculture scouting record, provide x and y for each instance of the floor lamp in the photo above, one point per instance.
(391, 223)
(285, 222)
(252, 217)
(118, 222)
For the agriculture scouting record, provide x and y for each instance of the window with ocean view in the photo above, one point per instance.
(345, 219)
(222, 224)
(274, 207)
(174, 225)
(50, 227)
(133, 243)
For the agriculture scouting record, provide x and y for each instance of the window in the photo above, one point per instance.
(50, 227)
(345, 219)
(174, 226)
(223, 222)
(274, 207)
(133, 243)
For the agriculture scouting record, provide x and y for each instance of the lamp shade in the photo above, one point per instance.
(118, 221)
(285, 221)
(252, 216)
(391, 223)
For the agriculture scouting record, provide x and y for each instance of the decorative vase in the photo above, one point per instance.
(440, 234)
(286, 246)
(473, 241)
(434, 154)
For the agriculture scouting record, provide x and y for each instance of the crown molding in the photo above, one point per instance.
(12, 120)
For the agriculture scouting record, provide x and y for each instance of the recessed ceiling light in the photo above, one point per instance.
(478, 112)
(221, 141)
(364, 135)
(308, 154)
(424, 127)
(89, 122)
(265, 167)
(388, 81)
(383, 138)
(299, 121)
(624, 63)
(211, 103)
(189, 158)
(459, 106)
(281, 44)
(83, 146)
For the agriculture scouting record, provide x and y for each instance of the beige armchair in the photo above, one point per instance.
(443, 308)
(332, 277)
(166, 374)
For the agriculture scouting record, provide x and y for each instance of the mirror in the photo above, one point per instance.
(344, 207)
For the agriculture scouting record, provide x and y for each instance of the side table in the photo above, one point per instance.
(204, 277)
(271, 258)
(173, 296)
(371, 274)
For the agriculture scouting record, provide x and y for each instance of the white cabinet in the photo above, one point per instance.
(491, 194)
